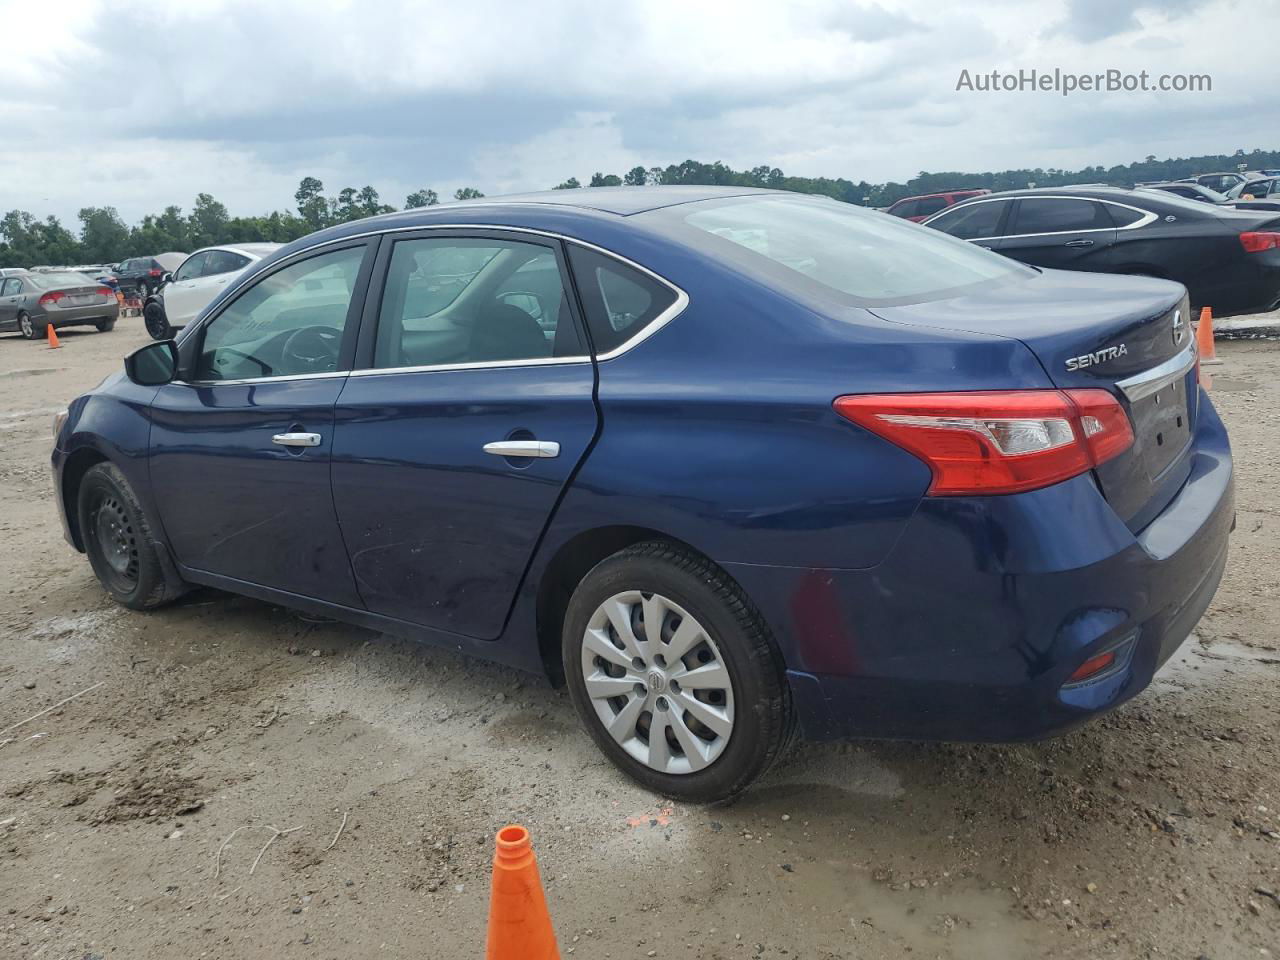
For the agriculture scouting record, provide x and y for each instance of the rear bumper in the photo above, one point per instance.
(1249, 285)
(971, 626)
(79, 316)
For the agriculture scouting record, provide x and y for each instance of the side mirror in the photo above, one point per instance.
(166, 278)
(152, 365)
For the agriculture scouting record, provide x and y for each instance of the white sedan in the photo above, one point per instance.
(200, 278)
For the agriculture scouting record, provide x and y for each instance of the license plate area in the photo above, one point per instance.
(1162, 426)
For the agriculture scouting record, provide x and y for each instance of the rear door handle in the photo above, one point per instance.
(523, 448)
(297, 439)
(1078, 243)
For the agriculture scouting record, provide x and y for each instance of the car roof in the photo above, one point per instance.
(253, 249)
(623, 201)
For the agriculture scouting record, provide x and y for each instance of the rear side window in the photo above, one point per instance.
(905, 208)
(451, 300)
(619, 300)
(973, 221)
(1123, 216)
(223, 261)
(1059, 215)
(10, 287)
(929, 206)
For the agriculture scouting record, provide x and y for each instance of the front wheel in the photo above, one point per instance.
(117, 539)
(156, 322)
(27, 326)
(675, 673)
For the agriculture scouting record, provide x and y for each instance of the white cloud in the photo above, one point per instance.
(138, 106)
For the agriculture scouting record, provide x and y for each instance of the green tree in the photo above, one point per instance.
(103, 236)
(421, 198)
(570, 184)
(605, 180)
(467, 193)
(208, 222)
(636, 177)
(312, 205)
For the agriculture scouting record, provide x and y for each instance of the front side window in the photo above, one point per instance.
(974, 221)
(837, 249)
(289, 323)
(192, 267)
(1059, 215)
(451, 300)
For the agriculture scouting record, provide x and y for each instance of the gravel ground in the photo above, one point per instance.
(135, 820)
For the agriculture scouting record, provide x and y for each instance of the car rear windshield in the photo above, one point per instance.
(836, 248)
(54, 281)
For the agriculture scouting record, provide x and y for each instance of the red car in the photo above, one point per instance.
(921, 208)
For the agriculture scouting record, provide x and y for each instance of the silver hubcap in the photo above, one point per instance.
(657, 682)
(27, 329)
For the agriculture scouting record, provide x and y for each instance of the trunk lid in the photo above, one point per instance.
(1129, 335)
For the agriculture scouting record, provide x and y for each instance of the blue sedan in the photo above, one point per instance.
(733, 465)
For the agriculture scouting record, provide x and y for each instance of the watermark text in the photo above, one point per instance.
(1066, 83)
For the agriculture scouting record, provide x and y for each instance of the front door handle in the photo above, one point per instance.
(297, 439)
(1078, 243)
(523, 448)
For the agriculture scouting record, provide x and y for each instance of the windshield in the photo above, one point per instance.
(52, 281)
(869, 257)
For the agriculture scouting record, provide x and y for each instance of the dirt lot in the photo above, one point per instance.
(131, 820)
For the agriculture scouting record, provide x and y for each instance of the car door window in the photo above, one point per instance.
(972, 221)
(11, 287)
(619, 300)
(450, 300)
(223, 261)
(929, 206)
(192, 267)
(907, 208)
(290, 322)
(1059, 215)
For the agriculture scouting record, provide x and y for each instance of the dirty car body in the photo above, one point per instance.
(769, 385)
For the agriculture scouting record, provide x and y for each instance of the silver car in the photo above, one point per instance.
(32, 302)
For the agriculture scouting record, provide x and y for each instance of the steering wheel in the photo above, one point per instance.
(311, 349)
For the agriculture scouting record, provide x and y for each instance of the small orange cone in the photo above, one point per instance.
(1204, 338)
(52, 335)
(519, 924)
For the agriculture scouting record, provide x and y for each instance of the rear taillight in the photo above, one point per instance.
(1000, 441)
(154, 272)
(53, 296)
(104, 291)
(1254, 242)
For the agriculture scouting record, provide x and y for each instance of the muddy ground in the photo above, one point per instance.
(134, 821)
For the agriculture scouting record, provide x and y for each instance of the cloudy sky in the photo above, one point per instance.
(140, 104)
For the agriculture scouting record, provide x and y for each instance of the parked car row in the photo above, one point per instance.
(1227, 258)
(174, 288)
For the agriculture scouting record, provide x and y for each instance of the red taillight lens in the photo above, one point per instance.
(104, 291)
(53, 296)
(1254, 242)
(1094, 665)
(155, 273)
(1004, 441)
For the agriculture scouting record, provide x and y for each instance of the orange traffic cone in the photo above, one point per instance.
(519, 924)
(1204, 338)
(52, 335)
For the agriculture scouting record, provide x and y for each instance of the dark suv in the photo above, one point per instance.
(1227, 259)
(142, 276)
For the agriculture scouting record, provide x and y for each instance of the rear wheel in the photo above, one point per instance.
(105, 325)
(27, 326)
(675, 673)
(156, 322)
(117, 540)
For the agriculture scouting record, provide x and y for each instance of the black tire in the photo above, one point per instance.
(764, 720)
(28, 327)
(117, 539)
(105, 325)
(144, 291)
(157, 324)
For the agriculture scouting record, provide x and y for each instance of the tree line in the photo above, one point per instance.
(103, 237)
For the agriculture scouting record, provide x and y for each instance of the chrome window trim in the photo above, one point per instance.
(658, 322)
(1144, 384)
(1146, 218)
(282, 378)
